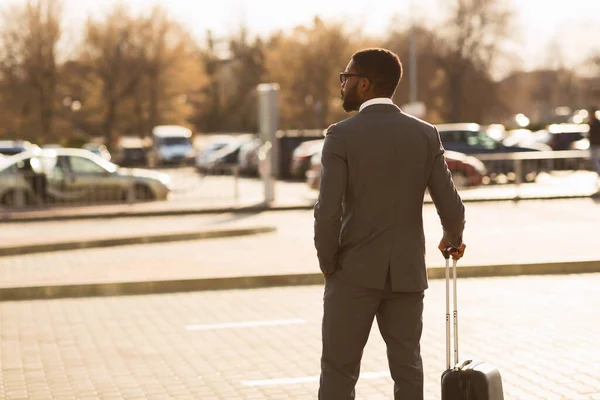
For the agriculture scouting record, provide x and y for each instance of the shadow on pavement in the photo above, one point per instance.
(237, 216)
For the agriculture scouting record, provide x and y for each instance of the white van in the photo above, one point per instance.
(171, 144)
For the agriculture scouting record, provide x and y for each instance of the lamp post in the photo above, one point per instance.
(412, 57)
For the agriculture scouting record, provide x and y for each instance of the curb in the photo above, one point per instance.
(11, 217)
(4, 218)
(130, 240)
(264, 281)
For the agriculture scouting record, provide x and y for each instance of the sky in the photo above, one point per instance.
(571, 29)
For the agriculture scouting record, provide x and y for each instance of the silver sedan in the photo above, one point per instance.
(75, 176)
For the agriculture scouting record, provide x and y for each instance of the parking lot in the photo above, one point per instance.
(189, 185)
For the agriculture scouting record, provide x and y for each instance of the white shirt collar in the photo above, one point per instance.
(376, 100)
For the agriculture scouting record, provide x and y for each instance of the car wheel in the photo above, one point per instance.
(460, 179)
(530, 177)
(15, 198)
(140, 192)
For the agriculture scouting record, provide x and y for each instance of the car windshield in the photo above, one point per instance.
(107, 165)
(11, 151)
(216, 146)
(233, 146)
(480, 138)
(175, 141)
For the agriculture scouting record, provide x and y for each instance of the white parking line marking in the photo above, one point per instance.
(305, 379)
(246, 324)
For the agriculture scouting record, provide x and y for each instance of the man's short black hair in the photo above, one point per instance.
(382, 67)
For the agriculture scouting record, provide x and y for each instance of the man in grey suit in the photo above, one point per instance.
(369, 234)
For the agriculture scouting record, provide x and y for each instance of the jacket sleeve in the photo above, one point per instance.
(328, 209)
(445, 197)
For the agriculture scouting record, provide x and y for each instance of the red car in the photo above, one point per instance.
(466, 170)
(301, 157)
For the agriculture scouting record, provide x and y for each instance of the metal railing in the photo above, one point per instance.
(524, 166)
(20, 190)
(226, 188)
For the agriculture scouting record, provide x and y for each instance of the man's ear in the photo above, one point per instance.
(365, 85)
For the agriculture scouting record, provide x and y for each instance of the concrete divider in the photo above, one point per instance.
(90, 213)
(130, 240)
(263, 281)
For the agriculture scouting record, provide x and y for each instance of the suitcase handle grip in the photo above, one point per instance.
(447, 251)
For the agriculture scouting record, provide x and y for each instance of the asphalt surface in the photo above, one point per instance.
(496, 234)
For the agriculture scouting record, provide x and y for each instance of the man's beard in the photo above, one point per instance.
(350, 100)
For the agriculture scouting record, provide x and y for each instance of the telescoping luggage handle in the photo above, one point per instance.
(447, 252)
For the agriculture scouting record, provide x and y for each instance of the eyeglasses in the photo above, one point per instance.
(344, 76)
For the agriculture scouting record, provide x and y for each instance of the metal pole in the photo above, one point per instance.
(455, 313)
(413, 66)
(236, 190)
(448, 362)
(518, 176)
(268, 120)
(518, 172)
(413, 58)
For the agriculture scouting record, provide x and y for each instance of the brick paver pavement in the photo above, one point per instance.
(496, 233)
(541, 332)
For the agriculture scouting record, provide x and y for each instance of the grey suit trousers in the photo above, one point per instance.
(349, 311)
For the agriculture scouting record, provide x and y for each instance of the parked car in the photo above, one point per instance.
(248, 157)
(313, 174)
(466, 170)
(301, 157)
(527, 138)
(12, 147)
(171, 144)
(131, 152)
(226, 158)
(98, 149)
(563, 135)
(76, 176)
(213, 144)
(469, 138)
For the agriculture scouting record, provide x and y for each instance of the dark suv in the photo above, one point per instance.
(470, 138)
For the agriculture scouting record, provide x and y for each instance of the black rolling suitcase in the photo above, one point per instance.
(469, 379)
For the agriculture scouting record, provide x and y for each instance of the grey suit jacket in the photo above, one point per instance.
(377, 166)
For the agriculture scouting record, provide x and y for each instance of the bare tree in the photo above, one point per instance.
(28, 65)
(430, 76)
(208, 102)
(248, 69)
(116, 60)
(471, 45)
(306, 65)
(169, 73)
